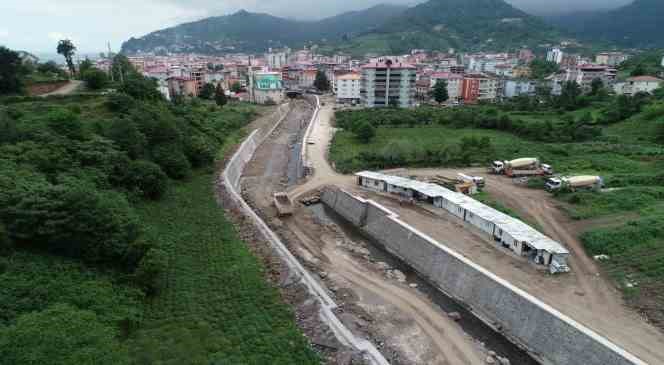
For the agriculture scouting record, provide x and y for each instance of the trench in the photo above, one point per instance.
(470, 324)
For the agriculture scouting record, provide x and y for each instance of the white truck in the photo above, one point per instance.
(574, 183)
(477, 180)
(529, 166)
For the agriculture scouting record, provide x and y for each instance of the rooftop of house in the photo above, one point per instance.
(393, 65)
(644, 79)
(446, 75)
(350, 76)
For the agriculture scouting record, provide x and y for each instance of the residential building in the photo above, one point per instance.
(479, 88)
(526, 56)
(386, 83)
(585, 74)
(277, 58)
(521, 72)
(611, 58)
(519, 87)
(348, 88)
(454, 84)
(266, 88)
(634, 85)
(555, 55)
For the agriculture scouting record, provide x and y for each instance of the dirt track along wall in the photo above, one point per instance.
(231, 179)
(547, 334)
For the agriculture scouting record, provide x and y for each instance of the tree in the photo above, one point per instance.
(11, 69)
(150, 272)
(94, 79)
(569, 96)
(321, 82)
(61, 335)
(207, 91)
(5, 242)
(67, 49)
(220, 96)
(365, 132)
(85, 66)
(639, 70)
(140, 88)
(540, 69)
(146, 179)
(440, 92)
(596, 86)
(236, 87)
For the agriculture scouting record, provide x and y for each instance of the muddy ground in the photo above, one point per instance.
(375, 300)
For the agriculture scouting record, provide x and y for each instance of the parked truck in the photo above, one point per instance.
(574, 183)
(283, 203)
(477, 180)
(521, 167)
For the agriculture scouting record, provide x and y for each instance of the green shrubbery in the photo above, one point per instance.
(72, 172)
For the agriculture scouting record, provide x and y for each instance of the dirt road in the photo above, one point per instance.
(584, 294)
(404, 323)
(69, 88)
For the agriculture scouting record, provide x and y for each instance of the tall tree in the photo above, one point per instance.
(321, 83)
(85, 66)
(67, 49)
(11, 69)
(220, 96)
(440, 92)
(207, 91)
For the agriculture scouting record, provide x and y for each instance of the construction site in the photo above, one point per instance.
(402, 267)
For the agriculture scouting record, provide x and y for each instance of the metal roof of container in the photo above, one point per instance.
(514, 227)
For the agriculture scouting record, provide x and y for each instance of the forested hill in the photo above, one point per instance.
(465, 24)
(436, 24)
(254, 32)
(635, 25)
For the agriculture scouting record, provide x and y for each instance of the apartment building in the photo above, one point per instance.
(348, 88)
(555, 55)
(611, 58)
(635, 85)
(385, 83)
(479, 88)
(454, 84)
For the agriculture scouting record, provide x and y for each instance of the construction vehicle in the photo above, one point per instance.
(284, 204)
(574, 183)
(521, 167)
(463, 187)
(477, 180)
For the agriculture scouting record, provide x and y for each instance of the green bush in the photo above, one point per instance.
(95, 79)
(61, 335)
(150, 274)
(146, 179)
(172, 160)
(73, 219)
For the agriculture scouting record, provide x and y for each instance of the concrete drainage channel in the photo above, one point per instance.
(547, 334)
(231, 180)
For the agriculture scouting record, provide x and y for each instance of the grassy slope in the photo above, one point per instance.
(216, 308)
(625, 156)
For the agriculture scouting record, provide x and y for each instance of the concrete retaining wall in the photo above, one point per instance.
(231, 179)
(547, 334)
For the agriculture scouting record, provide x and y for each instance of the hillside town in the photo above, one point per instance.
(470, 78)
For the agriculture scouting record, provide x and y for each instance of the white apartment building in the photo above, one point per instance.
(348, 88)
(555, 55)
(387, 83)
(635, 85)
(454, 84)
(277, 58)
(515, 88)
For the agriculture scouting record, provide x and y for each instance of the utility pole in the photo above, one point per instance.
(111, 59)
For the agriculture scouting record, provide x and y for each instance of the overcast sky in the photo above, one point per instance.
(37, 25)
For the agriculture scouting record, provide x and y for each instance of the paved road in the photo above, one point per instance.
(69, 88)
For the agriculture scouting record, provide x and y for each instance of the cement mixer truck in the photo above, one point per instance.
(574, 183)
(521, 167)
